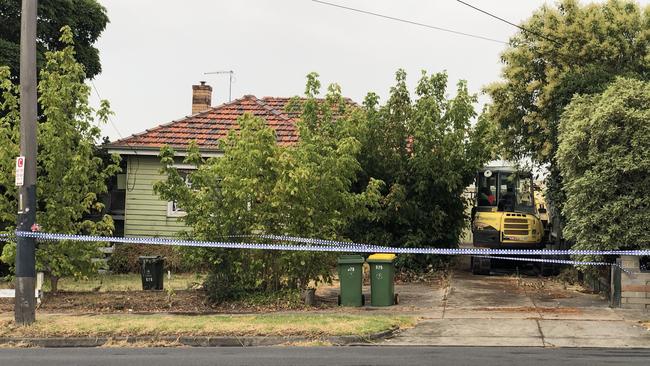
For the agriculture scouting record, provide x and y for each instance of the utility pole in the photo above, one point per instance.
(25, 307)
(231, 73)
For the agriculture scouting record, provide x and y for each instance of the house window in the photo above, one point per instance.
(173, 208)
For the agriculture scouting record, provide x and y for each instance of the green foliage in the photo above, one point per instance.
(424, 154)
(87, 19)
(585, 47)
(124, 258)
(391, 175)
(9, 131)
(261, 187)
(70, 175)
(604, 157)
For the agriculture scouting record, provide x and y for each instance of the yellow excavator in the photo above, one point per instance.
(504, 215)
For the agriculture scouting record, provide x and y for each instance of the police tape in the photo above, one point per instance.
(470, 251)
(316, 245)
(379, 248)
(296, 239)
(323, 245)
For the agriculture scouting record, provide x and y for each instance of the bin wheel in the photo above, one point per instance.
(547, 269)
(363, 300)
(481, 266)
(474, 266)
(396, 300)
(338, 300)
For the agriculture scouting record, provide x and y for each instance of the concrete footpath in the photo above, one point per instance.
(507, 310)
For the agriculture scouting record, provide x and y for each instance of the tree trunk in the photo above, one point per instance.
(310, 296)
(54, 284)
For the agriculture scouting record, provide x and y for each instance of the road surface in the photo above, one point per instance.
(329, 356)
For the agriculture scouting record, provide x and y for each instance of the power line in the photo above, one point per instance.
(409, 22)
(511, 23)
(137, 157)
(109, 116)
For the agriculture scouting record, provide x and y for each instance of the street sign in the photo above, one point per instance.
(20, 170)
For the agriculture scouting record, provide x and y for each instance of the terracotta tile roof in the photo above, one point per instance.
(208, 127)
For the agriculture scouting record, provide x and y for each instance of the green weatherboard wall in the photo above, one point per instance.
(145, 213)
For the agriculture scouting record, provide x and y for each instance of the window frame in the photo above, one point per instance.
(173, 211)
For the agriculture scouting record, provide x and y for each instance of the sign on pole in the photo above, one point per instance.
(20, 171)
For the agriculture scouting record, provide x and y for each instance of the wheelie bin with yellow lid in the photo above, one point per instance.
(382, 275)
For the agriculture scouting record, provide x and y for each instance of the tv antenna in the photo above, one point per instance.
(230, 75)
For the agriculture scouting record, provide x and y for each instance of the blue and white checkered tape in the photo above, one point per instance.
(317, 245)
(323, 245)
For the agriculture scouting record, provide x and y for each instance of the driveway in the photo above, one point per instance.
(513, 310)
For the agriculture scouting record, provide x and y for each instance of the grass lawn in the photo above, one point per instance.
(308, 325)
(121, 282)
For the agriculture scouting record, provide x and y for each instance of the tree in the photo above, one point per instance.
(259, 187)
(604, 157)
(581, 50)
(571, 49)
(70, 174)
(425, 152)
(87, 19)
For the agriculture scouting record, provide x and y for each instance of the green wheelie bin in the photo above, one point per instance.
(382, 274)
(350, 268)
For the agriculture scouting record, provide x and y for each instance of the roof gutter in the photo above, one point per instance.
(153, 151)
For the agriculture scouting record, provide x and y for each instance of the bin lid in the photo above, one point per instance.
(149, 257)
(350, 259)
(382, 257)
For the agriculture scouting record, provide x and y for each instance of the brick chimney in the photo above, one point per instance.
(201, 97)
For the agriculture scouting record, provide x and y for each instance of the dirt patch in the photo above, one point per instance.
(188, 301)
(418, 295)
(435, 278)
(546, 289)
(6, 305)
(528, 309)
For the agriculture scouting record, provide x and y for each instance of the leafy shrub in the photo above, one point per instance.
(261, 187)
(604, 157)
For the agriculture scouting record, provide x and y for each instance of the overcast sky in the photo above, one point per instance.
(152, 51)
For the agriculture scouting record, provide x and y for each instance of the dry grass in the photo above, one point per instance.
(127, 282)
(120, 282)
(111, 343)
(309, 325)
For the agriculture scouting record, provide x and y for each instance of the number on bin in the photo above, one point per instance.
(350, 269)
(379, 266)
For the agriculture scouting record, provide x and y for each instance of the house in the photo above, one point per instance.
(136, 209)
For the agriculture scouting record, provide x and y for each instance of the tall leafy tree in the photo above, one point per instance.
(604, 156)
(70, 176)
(425, 151)
(570, 49)
(87, 19)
